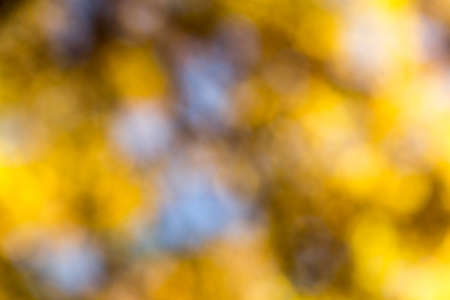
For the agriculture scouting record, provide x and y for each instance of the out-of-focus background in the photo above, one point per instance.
(224, 149)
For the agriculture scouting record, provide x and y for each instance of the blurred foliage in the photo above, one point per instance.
(219, 149)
